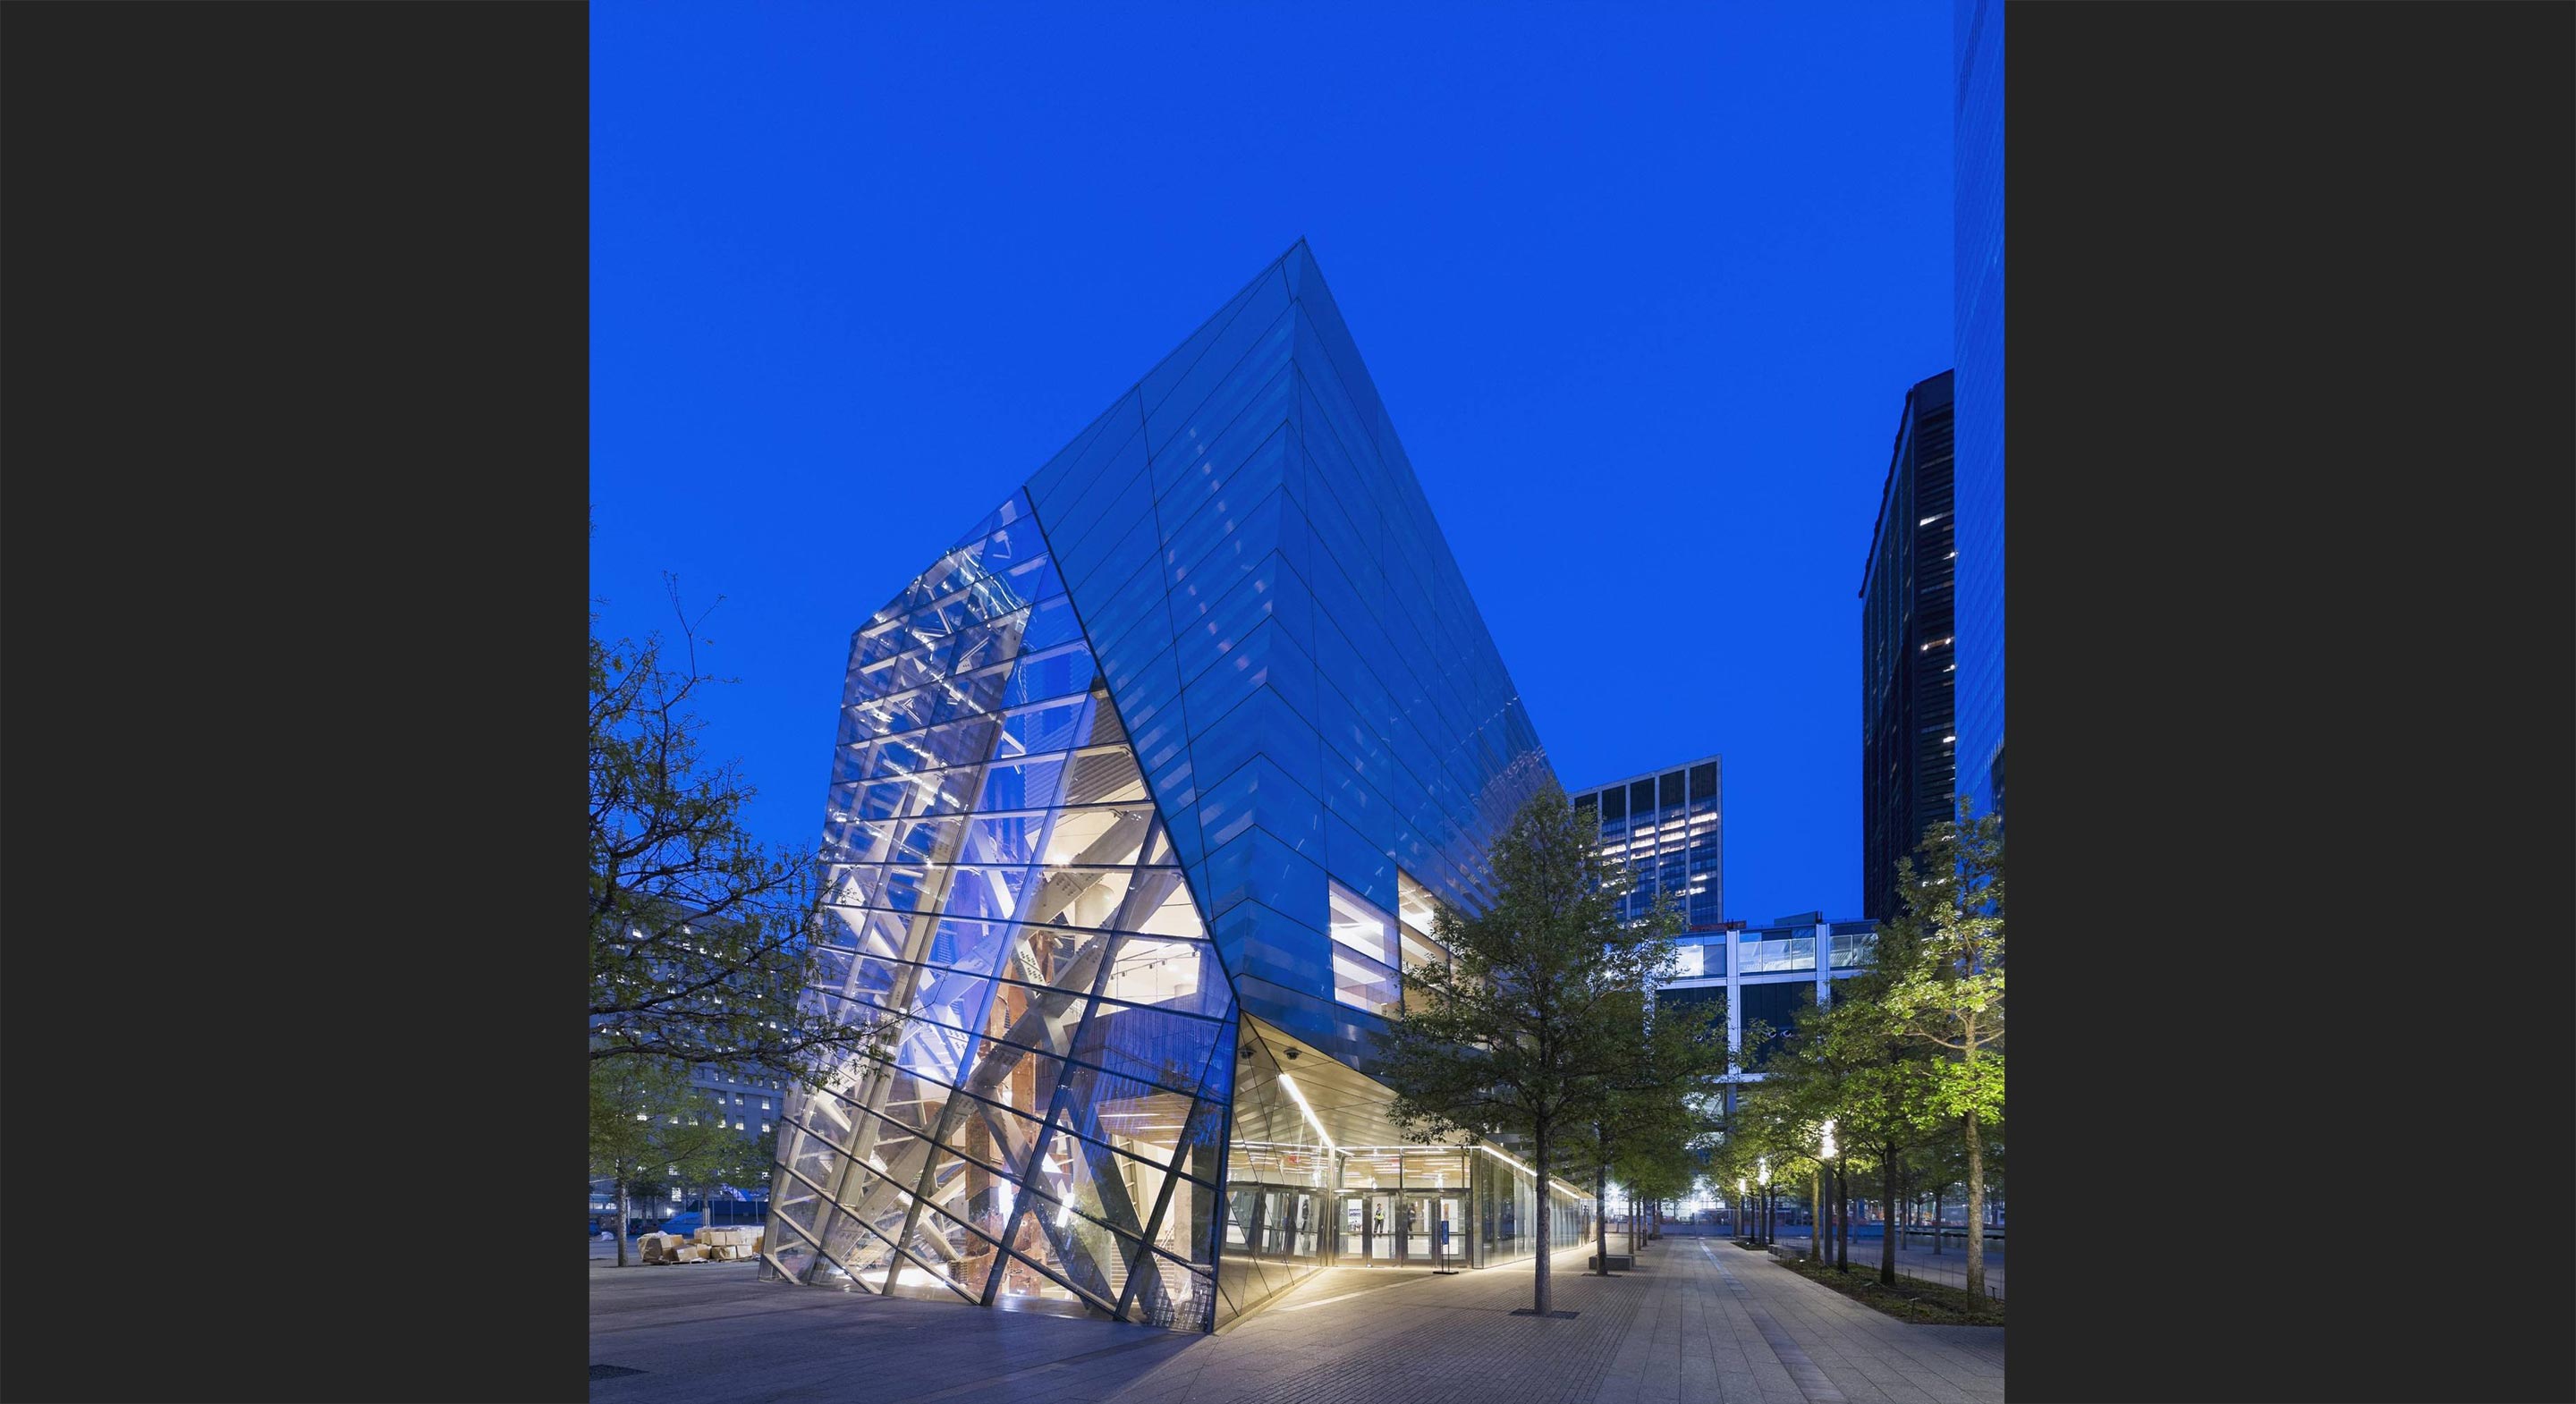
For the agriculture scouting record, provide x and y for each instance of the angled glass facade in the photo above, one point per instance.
(1142, 794)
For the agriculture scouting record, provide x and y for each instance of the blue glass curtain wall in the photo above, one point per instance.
(1098, 768)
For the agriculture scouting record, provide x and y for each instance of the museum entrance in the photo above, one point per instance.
(1399, 1230)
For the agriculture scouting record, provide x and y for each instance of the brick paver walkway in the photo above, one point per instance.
(1696, 1321)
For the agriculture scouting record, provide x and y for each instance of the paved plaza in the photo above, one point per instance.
(1698, 1320)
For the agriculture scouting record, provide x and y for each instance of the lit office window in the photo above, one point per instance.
(1359, 925)
(1364, 965)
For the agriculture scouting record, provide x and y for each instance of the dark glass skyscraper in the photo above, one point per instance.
(1144, 792)
(1908, 653)
(1978, 287)
(1668, 828)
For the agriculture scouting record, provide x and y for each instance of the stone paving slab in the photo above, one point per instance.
(1696, 1321)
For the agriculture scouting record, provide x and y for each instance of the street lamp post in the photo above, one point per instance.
(1743, 1201)
(1762, 1172)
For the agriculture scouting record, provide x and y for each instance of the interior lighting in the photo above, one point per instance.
(1309, 1112)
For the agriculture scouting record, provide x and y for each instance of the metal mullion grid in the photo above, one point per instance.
(912, 1226)
(904, 1255)
(916, 945)
(967, 1058)
(832, 1206)
(1162, 1205)
(1066, 1064)
(1141, 1247)
(1059, 1125)
(1195, 1272)
(1198, 900)
(953, 968)
(949, 682)
(926, 1138)
(977, 1040)
(1069, 754)
(982, 1106)
(1020, 1199)
(1052, 1127)
(992, 1285)
(915, 1200)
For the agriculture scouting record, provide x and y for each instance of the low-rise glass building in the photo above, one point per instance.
(1143, 794)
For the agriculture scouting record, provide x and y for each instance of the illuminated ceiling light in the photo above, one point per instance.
(1309, 1112)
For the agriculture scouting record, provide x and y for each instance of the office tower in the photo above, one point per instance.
(1908, 648)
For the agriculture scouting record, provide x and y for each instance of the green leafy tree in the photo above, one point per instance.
(699, 933)
(1532, 1025)
(1774, 1131)
(1855, 1065)
(1650, 1119)
(1949, 996)
(1661, 1168)
(650, 1129)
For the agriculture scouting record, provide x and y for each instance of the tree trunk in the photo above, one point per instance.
(1815, 1200)
(1976, 1210)
(1936, 1221)
(1842, 1217)
(1842, 1235)
(1833, 1212)
(1889, 1240)
(1601, 1196)
(1542, 1300)
(624, 1216)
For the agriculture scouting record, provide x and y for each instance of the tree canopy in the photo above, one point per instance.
(699, 932)
(1538, 1017)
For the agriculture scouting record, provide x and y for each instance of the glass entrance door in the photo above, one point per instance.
(1418, 1225)
(1354, 1228)
(1384, 1246)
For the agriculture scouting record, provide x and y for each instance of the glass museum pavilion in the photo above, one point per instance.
(1143, 794)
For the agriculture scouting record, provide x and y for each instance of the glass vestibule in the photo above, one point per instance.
(1316, 1178)
(1388, 1206)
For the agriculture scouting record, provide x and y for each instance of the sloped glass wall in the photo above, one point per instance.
(1046, 1120)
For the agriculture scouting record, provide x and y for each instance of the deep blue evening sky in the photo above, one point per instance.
(1643, 289)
